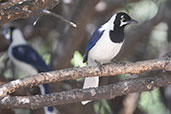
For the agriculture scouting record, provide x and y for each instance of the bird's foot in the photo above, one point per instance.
(100, 65)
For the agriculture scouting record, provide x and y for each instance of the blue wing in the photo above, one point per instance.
(95, 37)
(28, 55)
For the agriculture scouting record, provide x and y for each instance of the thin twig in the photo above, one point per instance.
(47, 12)
(20, 9)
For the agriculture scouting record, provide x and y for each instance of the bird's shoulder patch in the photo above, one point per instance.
(94, 38)
(23, 52)
(27, 54)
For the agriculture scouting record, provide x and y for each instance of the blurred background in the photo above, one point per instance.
(62, 46)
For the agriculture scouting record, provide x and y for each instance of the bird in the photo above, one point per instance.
(26, 58)
(105, 44)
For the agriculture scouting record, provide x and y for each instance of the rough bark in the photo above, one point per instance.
(75, 73)
(77, 95)
(20, 9)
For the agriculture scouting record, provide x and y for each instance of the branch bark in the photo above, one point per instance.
(77, 95)
(75, 73)
(20, 9)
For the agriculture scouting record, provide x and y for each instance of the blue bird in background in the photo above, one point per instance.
(105, 44)
(26, 59)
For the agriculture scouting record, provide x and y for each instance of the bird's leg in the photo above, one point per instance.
(100, 65)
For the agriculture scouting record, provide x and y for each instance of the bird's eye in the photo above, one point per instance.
(123, 19)
(8, 33)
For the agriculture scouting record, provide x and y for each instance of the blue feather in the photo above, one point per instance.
(46, 87)
(95, 37)
(50, 109)
(27, 54)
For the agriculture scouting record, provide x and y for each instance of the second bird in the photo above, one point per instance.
(27, 59)
(105, 44)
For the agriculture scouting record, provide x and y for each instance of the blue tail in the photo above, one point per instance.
(45, 90)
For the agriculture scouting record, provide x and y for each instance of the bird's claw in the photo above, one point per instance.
(100, 65)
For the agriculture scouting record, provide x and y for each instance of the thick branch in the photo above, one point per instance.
(17, 9)
(75, 73)
(77, 95)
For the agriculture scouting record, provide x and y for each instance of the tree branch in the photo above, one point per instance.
(75, 73)
(20, 9)
(77, 95)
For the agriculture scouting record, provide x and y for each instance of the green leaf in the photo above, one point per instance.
(150, 102)
(77, 60)
(102, 107)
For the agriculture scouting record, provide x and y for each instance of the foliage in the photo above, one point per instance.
(151, 103)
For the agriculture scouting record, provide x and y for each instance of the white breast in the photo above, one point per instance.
(104, 50)
(23, 67)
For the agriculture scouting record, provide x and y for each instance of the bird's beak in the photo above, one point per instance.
(132, 21)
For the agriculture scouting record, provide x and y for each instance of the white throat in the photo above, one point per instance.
(17, 38)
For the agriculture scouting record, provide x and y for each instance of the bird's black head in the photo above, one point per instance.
(117, 24)
(8, 33)
(122, 19)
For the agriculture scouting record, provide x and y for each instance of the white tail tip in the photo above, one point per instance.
(88, 83)
(85, 102)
